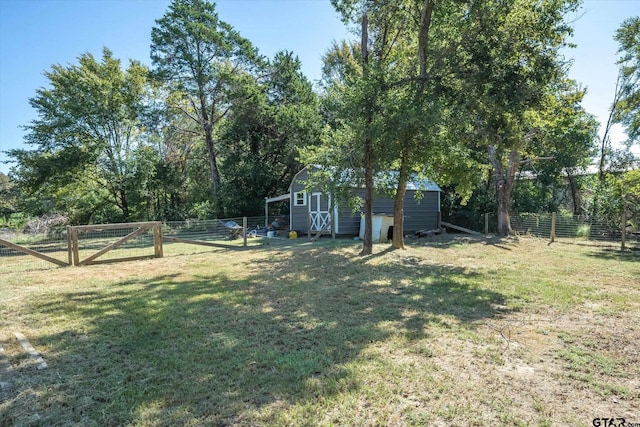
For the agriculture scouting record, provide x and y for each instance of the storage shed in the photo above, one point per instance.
(310, 210)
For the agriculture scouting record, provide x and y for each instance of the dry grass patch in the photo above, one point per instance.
(452, 331)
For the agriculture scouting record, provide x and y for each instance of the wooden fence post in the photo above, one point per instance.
(623, 245)
(157, 240)
(244, 231)
(553, 227)
(69, 245)
(486, 223)
(74, 245)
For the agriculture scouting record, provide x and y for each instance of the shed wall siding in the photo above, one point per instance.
(299, 213)
(418, 214)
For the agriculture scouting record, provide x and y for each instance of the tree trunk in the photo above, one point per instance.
(213, 166)
(504, 187)
(423, 37)
(503, 198)
(605, 145)
(575, 194)
(124, 204)
(398, 205)
(367, 245)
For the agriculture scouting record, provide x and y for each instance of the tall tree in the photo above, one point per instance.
(627, 108)
(269, 122)
(181, 181)
(413, 45)
(567, 140)
(368, 104)
(379, 65)
(200, 55)
(351, 107)
(87, 134)
(512, 58)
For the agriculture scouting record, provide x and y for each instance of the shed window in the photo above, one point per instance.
(300, 198)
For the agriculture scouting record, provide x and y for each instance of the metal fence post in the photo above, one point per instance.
(624, 228)
(486, 223)
(244, 231)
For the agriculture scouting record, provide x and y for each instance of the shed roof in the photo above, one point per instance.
(388, 179)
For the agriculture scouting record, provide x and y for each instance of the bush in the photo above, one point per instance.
(583, 230)
(45, 224)
(14, 220)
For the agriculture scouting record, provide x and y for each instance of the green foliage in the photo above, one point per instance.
(631, 194)
(514, 73)
(201, 58)
(620, 191)
(583, 230)
(218, 128)
(269, 123)
(9, 195)
(449, 79)
(627, 109)
(87, 139)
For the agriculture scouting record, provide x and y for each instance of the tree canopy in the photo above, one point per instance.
(627, 109)
(89, 147)
(199, 56)
(440, 81)
(471, 94)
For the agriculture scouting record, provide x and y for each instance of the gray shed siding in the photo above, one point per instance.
(418, 214)
(298, 215)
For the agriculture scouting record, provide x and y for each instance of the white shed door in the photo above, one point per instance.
(319, 212)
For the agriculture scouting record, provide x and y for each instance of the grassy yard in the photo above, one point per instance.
(452, 331)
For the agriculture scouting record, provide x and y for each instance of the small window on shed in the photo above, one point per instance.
(300, 198)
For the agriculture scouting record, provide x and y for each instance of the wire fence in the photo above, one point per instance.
(572, 228)
(113, 242)
(579, 229)
(126, 241)
(52, 243)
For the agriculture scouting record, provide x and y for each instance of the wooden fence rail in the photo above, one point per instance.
(31, 252)
(141, 227)
(133, 229)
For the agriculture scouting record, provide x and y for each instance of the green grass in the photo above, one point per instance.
(454, 332)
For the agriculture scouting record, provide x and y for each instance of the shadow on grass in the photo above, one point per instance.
(215, 349)
(617, 255)
(445, 241)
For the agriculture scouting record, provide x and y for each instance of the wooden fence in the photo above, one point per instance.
(73, 246)
(140, 228)
(31, 252)
(90, 244)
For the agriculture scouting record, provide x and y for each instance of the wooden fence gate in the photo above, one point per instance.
(141, 227)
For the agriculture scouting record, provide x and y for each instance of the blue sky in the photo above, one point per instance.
(35, 34)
